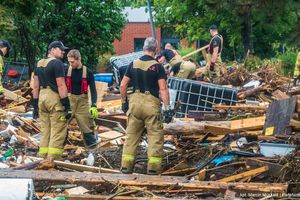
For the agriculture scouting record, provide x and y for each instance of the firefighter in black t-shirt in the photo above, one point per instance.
(50, 101)
(214, 62)
(149, 81)
(179, 67)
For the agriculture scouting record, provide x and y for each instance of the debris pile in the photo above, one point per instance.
(247, 148)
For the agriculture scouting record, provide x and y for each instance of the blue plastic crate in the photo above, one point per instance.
(105, 77)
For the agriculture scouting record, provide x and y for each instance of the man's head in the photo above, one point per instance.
(213, 29)
(74, 59)
(150, 45)
(168, 46)
(5, 47)
(57, 49)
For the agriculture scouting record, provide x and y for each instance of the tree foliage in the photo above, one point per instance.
(87, 25)
(253, 25)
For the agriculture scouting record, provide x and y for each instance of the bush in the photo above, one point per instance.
(103, 63)
(288, 60)
(253, 62)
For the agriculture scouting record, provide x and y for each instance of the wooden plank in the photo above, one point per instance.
(140, 180)
(249, 173)
(11, 95)
(17, 109)
(239, 107)
(81, 168)
(274, 168)
(247, 124)
(279, 115)
(194, 52)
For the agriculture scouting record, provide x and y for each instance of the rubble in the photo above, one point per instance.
(245, 147)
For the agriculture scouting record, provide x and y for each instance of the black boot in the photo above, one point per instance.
(90, 140)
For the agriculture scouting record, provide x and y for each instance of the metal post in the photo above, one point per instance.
(151, 19)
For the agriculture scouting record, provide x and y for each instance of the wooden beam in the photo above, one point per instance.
(140, 180)
(274, 168)
(194, 52)
(235, 125)
(80, 168)
(11, 95)
(239, 107)
(249, 173)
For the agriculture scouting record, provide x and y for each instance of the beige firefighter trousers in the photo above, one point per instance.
(53, 128)
(144, 112)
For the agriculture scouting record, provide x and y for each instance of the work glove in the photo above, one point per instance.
(125, 105)
(94, 111)
(212, 66)
(35, 105)
(168, 115)
(66, 103)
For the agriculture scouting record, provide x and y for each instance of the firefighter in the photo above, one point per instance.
(297, 69)
(78, 78)
(214, 62)
(4, 52)
(179, 67)
(51, 102)
(149, 81)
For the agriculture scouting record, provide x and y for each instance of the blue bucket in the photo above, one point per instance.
(105, 77)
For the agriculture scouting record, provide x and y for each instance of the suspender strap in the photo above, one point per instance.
(84, 84)
(68, 81)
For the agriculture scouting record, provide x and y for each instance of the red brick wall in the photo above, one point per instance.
(131, 31)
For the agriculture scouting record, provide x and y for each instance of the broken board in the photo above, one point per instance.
(278, 116)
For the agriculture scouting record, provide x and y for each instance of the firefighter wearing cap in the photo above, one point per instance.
(179, 67)
(4, 52)
(214, 62)
(297, 69)
(78, 79)
(50, 101)
(150, 88)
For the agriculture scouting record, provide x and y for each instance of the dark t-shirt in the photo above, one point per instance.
(76, 79)
(153, 74)
(215, 42)
(168, 54)
(47, 75)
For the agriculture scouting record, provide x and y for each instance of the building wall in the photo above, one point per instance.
(131, 31)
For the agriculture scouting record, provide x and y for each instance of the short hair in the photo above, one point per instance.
(74, 53)
(168, 46)
(150, 44)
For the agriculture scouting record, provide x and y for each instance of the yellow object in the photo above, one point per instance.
(269, 131)
(1, 65)
(297, 66)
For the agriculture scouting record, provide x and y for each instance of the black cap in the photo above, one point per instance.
(58, 44)
(5, 43)
(213, 27)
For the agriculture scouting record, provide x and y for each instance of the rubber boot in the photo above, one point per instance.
(90, 140)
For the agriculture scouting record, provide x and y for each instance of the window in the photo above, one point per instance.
(138, 44)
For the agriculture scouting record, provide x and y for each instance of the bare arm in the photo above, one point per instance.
(62, 88)
(36, 87)
(123, 87)
(164, 92)
(162, 60)
(215, 54)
